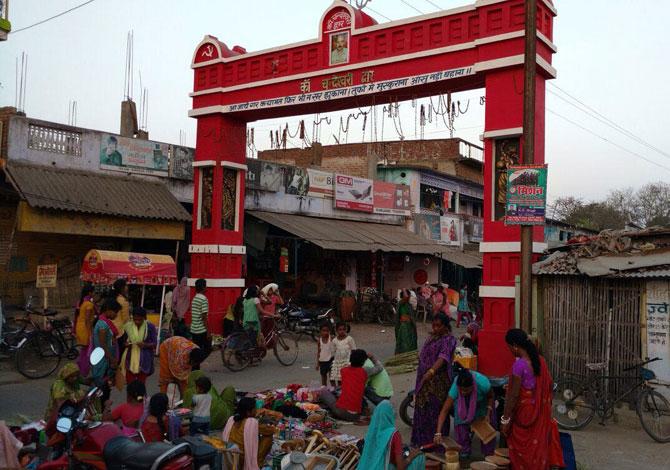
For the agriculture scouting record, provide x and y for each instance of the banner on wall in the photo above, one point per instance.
(428, 226)
(133, 155)
(526, 195)
(658, 329)
(181, 162)
(451, 230)
(297, 181)
(320, 183)
(391, 198)
(265, 176)
(353, 193)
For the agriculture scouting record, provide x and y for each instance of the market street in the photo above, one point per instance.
(627, 446)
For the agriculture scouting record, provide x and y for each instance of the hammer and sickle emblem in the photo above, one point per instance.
(208, 52)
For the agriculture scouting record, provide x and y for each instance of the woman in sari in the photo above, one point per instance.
(178, 357)
(433, 380)
(138, 357)
(532, 434)
(223, 405)
(67, 387)
(405, 328)
(84, 316)
(105, 336)
(383, 444)
(243, 431)
(181, 302)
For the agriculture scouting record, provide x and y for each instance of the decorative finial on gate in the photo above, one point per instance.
(360, 4)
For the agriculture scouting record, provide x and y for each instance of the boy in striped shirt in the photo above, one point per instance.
(199, 311)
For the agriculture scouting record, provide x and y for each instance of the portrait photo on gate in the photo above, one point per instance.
(339, 48)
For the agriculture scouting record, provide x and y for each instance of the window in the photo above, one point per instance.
(51, 139)
(432, 198)
(229, 202)
(205, 197)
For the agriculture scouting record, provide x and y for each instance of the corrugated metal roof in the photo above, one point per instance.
(94, 193)
(348, 235)
(653, 272)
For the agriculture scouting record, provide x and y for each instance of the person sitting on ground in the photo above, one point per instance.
(67, 387)
(349, 405)
(243, 431)
(155, 426)
(383, 449)
(471, 396)
(223, 404)
(378, 386)
(201, 404)
(130, 412)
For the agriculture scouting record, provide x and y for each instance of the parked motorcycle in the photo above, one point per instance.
(301, 320)
(103, 446)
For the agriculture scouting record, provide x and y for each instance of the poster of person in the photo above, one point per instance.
(354, 194)
(427, 226)
(392, 199)
(339, 48)
(133, 155)
(320, 183)
(265, 176)
(297, 181)
(451, 230)
(181, 162)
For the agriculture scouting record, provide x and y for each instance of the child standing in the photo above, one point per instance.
(343, 345)
(201, 403)
(324, 354)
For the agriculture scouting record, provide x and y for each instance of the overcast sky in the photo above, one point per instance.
(612, 56)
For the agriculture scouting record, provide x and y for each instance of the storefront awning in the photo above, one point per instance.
(348, 235)
(105, 267)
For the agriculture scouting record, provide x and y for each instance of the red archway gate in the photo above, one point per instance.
(356, 62)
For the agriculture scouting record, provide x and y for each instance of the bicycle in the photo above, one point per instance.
(238, 350)
(40, 350)
(578, 399)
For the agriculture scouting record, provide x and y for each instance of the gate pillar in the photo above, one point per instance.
(217, 247)
(501, 246)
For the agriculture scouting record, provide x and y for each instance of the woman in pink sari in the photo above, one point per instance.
(532, 434)
(181, 302)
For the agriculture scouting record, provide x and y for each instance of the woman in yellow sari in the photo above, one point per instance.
(84, 316)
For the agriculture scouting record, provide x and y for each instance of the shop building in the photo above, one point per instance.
(65, 190)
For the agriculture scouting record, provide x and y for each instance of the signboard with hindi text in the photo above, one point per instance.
(47, 275)
(658, 329)
(526, 198)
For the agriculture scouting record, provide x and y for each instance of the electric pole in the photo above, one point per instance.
(528, 157)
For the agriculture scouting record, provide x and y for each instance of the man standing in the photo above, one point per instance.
(199, 313)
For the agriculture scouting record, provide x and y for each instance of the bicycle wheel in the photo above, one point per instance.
(286, 349)
(235, 352)
(572, 405)
(406, 410)
(39, 356)
(654, 412)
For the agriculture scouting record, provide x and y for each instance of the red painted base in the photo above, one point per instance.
(495, 358)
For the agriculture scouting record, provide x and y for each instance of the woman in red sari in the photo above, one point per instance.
(532, 434)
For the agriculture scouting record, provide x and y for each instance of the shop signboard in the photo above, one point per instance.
(428, 226)
(181, 162)
(658, 329)
(451, 230)
(353, 193)
(47, 275)
(133, 155)
(409, 178)
(265, 176)
(391, 198)
(526, 195)
(320, 183)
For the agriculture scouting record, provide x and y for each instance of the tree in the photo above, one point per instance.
(653, 204)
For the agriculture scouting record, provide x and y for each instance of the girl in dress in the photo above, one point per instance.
(343, 345)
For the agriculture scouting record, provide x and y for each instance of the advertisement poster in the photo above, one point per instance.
(133, 155)
(265, 176)
(297, 181)
(526, 195)
(658, 329)
(409, 178)
(353, 193)
(477, 230)
(46, 276)
(320, 183)
(390, 198)
(451, 230)
(428, 226)
(181, 162)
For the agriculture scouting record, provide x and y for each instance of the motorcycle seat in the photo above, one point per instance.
(122, 452)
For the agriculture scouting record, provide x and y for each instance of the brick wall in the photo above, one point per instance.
(5, 113)
(360, 159)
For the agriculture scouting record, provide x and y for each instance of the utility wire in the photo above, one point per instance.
(379, 14)
(605, 120)
(609, 141)
(53, 17)
(435, 5)
(412, 7)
